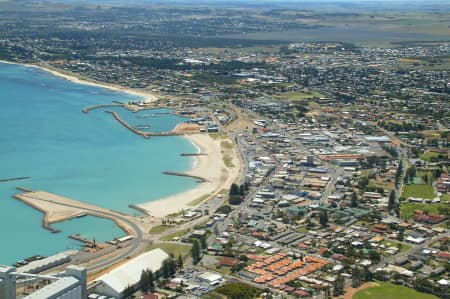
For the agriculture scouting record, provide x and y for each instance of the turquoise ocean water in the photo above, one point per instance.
(87, 157)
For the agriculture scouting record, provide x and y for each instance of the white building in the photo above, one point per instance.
(210, 278)
(117, 280)
(68, 285)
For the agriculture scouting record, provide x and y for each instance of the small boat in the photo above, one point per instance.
(20, 263)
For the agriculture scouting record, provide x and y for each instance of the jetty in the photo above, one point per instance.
(146, 135)
(198, 178)
(193, 154)
(126, 125)
(23, 189)
(87, 109)
(57, 208)
(15, 179)
(85, 241)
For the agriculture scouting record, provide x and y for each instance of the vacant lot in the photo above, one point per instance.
(175, 248)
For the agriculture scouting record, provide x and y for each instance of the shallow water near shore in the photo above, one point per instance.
(87, 157)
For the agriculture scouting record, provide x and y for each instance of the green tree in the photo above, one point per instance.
(172, 267)
(143, 282)
(323, 218)
(391, 202)
(128, 291)
(397, 209)
(242, 190)
(203, 242)
(354, 200)
(180, 261)
(166, 268)
(356, 277)
(151, 280)
(338, 287)
(195, 252)
(234, 190)
(363, 183)
(367, 275)
(235, 199)
(374, 255)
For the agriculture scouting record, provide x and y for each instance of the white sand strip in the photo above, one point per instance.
(210, 167)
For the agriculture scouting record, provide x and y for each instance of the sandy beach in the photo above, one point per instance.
(210, 166)
(73, 78)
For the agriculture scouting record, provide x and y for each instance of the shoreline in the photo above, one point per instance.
(209, 166)
(147, 95)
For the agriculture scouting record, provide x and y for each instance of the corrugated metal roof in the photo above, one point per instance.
(40, 265)
(54, 288)
(130, 273)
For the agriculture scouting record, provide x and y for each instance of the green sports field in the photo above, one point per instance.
(391, 291)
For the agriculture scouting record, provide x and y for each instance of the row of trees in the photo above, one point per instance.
(401, 127)
(238, 192)
(398, 173)
(392, 150)
(168, 269)
(197, 246)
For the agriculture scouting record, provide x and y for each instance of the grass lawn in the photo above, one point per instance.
(428, 156)
(217, 136)
(178, 234)
(226, 144)
(391, 291)
(158, 229)
(223, 270)
(445, 224)
(387, 186)
(407, 209)
(299, 95)
(198, 200)
(214, 295)
(175, 248)
(422, 191)
(404, 247)
(445, 197)
(228, 161)
(302, 229)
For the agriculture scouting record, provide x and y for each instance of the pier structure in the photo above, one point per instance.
(146, 135)
(87, 109)
(58, 208)
(198, 178)
(15, 179)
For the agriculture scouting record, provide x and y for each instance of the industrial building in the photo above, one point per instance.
(126, 275)
(47, 263)
(70, 284)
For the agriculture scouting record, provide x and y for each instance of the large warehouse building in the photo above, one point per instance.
(115, 282)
